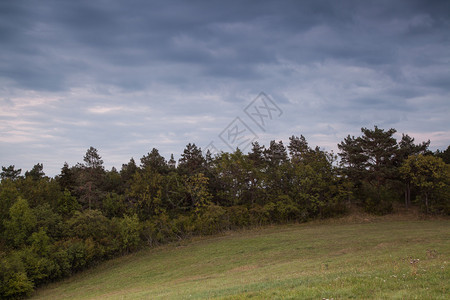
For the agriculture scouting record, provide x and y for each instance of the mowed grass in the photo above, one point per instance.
(380, 258)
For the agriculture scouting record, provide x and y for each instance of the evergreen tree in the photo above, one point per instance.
(128, 170)
(36, 173)
(192, 160)
(172, 164)
(66, 178)
(256, 155)
(445, 155)
(10, 173)
(155, 161)
(90, 178)
(276, 154)
(369, 162)
(92, 160)
(298, 148)
(371, 156)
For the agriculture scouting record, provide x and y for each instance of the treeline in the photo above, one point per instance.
(53, 227)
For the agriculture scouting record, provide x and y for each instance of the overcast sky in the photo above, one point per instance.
(129, 76)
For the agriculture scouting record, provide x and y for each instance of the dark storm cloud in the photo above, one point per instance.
(127, 76)
(61, 39)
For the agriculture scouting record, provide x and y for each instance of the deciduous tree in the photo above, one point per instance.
(428, 173)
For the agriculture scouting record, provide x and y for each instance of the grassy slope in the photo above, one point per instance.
(331, 259)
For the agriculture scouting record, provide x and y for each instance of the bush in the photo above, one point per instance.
(158, 230)
(129, 229)
(237, 216)
(63, 266)
(183, 226)
(14, 279)
(38, 268)
(113, 205)
(21, 223)
(283, 209)
(378, 200)
(76, 253)
(258, 215)
(212, 219)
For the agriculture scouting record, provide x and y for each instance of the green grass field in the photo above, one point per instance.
(377, 258)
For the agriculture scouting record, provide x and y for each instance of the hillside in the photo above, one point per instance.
(380, 258)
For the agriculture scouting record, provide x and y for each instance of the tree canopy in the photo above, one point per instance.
(53, 227)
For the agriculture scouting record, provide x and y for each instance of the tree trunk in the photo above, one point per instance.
(406, 195)
(408, 187)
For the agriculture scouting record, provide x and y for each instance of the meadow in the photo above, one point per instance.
(364, 258)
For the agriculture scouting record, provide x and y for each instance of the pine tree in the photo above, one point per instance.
(10, 173)
(192, 160)
(36, 173)
(155, 161)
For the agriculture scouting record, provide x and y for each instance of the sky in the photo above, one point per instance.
(129, 76)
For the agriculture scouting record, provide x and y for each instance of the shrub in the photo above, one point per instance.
(14, 279)
(238, 216)
(158, 230)
(38, 268)
(129, 229)
(211, 219)
(378, 200)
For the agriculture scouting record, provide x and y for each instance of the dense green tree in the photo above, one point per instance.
(234, 178)
(112, 182)
(353, 159)
(41, 191)
(13, 278)
(445, 155)
(380, 148)
(92, 159)
(406, 148)
(67, 178)
(257, 175)
(191, 161)
(36, 173)
(172, 164)
(428, 173)
(96, 232)
(256, 155)
(155, 161)
(87, 214)
(145, 193)
(90, 179)
(127, 172)
(50, 220)
(371, 159)
(298, 148)
(129, 229)
(10, 173)
(67, 204)
(197, 191)
(20, 224)
(114, 205)
(9, 193)
(174, 193)
(276, 159)
(276, 154)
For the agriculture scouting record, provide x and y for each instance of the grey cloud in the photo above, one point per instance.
(181, 71)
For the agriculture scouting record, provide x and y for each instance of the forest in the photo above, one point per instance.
(51, 228)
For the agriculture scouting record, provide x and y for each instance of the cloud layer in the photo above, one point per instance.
(125, 77)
